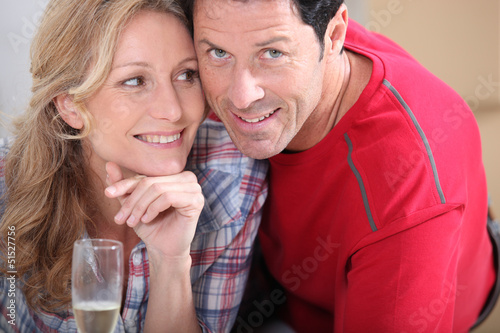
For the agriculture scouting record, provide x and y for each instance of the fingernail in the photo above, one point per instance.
(111, 190)
(131, 220)
(145, 218)
(119, 217)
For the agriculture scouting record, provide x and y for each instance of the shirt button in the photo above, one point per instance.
(137, 260)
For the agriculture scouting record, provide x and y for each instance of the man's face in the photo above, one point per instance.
(260, 69)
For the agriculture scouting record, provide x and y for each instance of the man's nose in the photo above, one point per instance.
(244, 88)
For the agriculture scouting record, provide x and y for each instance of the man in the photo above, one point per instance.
(376, 217)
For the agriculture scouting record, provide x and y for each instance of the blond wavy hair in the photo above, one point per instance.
(48, 197)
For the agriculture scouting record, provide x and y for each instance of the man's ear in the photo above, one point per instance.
(336, 32)
(69, 113)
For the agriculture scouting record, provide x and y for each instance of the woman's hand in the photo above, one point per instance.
(163, 211)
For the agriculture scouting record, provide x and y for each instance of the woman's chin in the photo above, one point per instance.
(163, 169)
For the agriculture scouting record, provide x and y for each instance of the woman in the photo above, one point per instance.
(101, 153)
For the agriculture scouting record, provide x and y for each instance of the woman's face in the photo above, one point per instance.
(149, 109)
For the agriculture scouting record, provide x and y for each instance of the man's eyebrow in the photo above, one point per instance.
(260, 44)
(206, 41)
(273, 40)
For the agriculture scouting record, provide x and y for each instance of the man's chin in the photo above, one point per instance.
(258, 152)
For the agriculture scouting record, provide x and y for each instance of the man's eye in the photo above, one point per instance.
(273, 54)
(136, 81)
(218, 53)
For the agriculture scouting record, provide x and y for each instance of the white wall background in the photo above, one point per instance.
(18, 20)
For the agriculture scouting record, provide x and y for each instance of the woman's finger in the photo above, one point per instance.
(114, 173)
(143, 191)
(139, 202)
(123, 187)
(186, 200)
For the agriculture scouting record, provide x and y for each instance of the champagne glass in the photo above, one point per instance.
(96, 284)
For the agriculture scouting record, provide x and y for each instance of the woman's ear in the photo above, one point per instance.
(69, 113)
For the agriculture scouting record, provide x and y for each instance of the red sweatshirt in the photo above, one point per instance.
(381, 227)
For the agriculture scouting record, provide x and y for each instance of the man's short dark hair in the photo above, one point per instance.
(316, 13)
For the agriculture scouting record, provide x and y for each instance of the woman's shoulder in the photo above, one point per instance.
(5, 144)
(16, 315)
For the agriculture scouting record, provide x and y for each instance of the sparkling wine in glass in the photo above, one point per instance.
(96, 284)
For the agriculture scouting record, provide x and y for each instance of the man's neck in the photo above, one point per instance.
(361, 71)
(337, 97)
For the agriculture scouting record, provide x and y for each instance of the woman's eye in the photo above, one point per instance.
(273, 54)
(136, 81)
(187, 75)
(218, 53)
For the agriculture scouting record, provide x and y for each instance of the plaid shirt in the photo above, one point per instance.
(234, 188)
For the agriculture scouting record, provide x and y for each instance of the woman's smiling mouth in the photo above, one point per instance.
(159, 138)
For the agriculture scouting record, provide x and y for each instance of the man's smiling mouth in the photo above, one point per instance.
(256, 120)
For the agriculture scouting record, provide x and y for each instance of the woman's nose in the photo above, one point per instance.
(166, 104)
